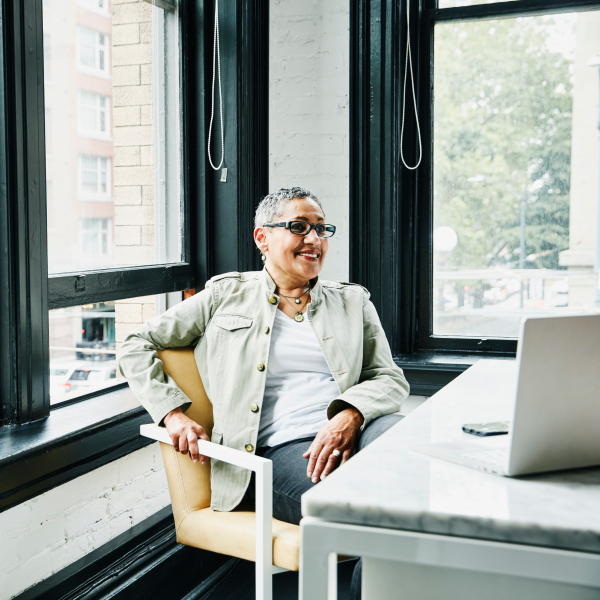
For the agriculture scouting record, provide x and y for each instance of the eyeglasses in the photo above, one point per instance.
(303, 228)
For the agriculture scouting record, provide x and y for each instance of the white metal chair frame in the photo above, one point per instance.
(263, 468)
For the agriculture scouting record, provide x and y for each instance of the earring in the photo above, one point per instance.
(263, 258)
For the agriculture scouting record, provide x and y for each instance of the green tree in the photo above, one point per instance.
(502, 128)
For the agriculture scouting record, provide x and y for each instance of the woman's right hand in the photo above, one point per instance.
(184, 434)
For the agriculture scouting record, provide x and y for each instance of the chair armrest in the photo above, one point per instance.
(228, 455)
(263, 468)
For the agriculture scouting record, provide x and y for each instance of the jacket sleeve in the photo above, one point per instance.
(382, 387)
(182, 325)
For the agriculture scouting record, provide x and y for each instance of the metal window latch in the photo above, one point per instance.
(80, 283)
(223, 175)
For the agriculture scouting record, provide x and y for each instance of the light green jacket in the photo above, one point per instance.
(229, 324)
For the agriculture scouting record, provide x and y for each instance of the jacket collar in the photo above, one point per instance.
(316, 293)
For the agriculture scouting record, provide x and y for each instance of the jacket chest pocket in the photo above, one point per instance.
(232, 322)
(227, 331)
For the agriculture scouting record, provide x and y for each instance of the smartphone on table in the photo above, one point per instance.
(487, 429)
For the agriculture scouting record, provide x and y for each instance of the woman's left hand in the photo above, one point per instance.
(339, 434)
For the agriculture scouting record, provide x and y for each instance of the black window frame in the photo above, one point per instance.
(42, 448)
(431, 15)
(391, 217)
(26, 181)
(217, 216)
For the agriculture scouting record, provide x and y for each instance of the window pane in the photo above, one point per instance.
(87, 47)
(89, 174)
(113, 117)
(515, 172)
(84, 341)
(82, 350)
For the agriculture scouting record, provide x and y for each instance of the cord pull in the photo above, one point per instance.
(217, 58)
(407, 65)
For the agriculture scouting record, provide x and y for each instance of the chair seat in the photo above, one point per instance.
(233, 533)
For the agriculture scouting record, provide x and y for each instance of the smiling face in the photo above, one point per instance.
(292, 260)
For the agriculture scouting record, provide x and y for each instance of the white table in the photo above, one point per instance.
(430, 529)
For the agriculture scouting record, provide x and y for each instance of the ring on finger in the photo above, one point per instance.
(335, 453)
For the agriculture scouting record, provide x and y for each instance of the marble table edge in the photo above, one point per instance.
(466, 527)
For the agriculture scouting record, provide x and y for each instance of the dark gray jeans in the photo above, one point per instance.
(290, 480)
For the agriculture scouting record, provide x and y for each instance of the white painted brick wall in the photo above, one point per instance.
(309, 113)
(43, 535)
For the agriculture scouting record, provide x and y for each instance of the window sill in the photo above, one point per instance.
(72, 441)
(429, 372)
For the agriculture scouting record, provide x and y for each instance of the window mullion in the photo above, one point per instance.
(24, 240)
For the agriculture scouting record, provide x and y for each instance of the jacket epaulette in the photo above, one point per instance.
(347, 283)
(230, 275)
(340, 285)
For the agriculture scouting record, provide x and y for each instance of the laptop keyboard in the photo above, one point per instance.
(495, 458)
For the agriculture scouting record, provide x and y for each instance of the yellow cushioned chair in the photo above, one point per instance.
(232, 533)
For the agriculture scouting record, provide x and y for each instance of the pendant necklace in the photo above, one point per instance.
(298, 317)
(296, 298)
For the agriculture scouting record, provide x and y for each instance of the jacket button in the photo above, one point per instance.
(261, 367)
(267, 329)
(254, 408)
(249, 447)
(273, 300)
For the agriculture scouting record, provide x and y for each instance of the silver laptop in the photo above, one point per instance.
(556, 418)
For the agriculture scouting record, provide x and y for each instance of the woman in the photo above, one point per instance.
(298, 370)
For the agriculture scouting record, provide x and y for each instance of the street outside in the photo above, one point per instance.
(494, 308)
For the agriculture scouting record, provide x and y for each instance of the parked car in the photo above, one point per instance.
(76, 375)
(59, 375)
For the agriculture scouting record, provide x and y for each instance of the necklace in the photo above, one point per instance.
(299, 317)
(297, 298)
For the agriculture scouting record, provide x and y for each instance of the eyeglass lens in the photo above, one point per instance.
(302, 228)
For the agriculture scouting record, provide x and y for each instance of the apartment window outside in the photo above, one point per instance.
(94, 178)
(95, 236)
(94, 114)
(92, 49)
(515, 176)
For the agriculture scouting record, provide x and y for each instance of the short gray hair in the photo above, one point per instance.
(271, 207)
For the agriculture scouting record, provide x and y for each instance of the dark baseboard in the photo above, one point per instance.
(144, 562)
(428, 379)
(428, 382)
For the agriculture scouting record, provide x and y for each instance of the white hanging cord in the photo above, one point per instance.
(217, 57)
(408, 63)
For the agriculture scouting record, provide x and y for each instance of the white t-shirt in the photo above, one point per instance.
(299, 384)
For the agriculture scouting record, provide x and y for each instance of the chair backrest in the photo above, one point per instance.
(189, 483)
